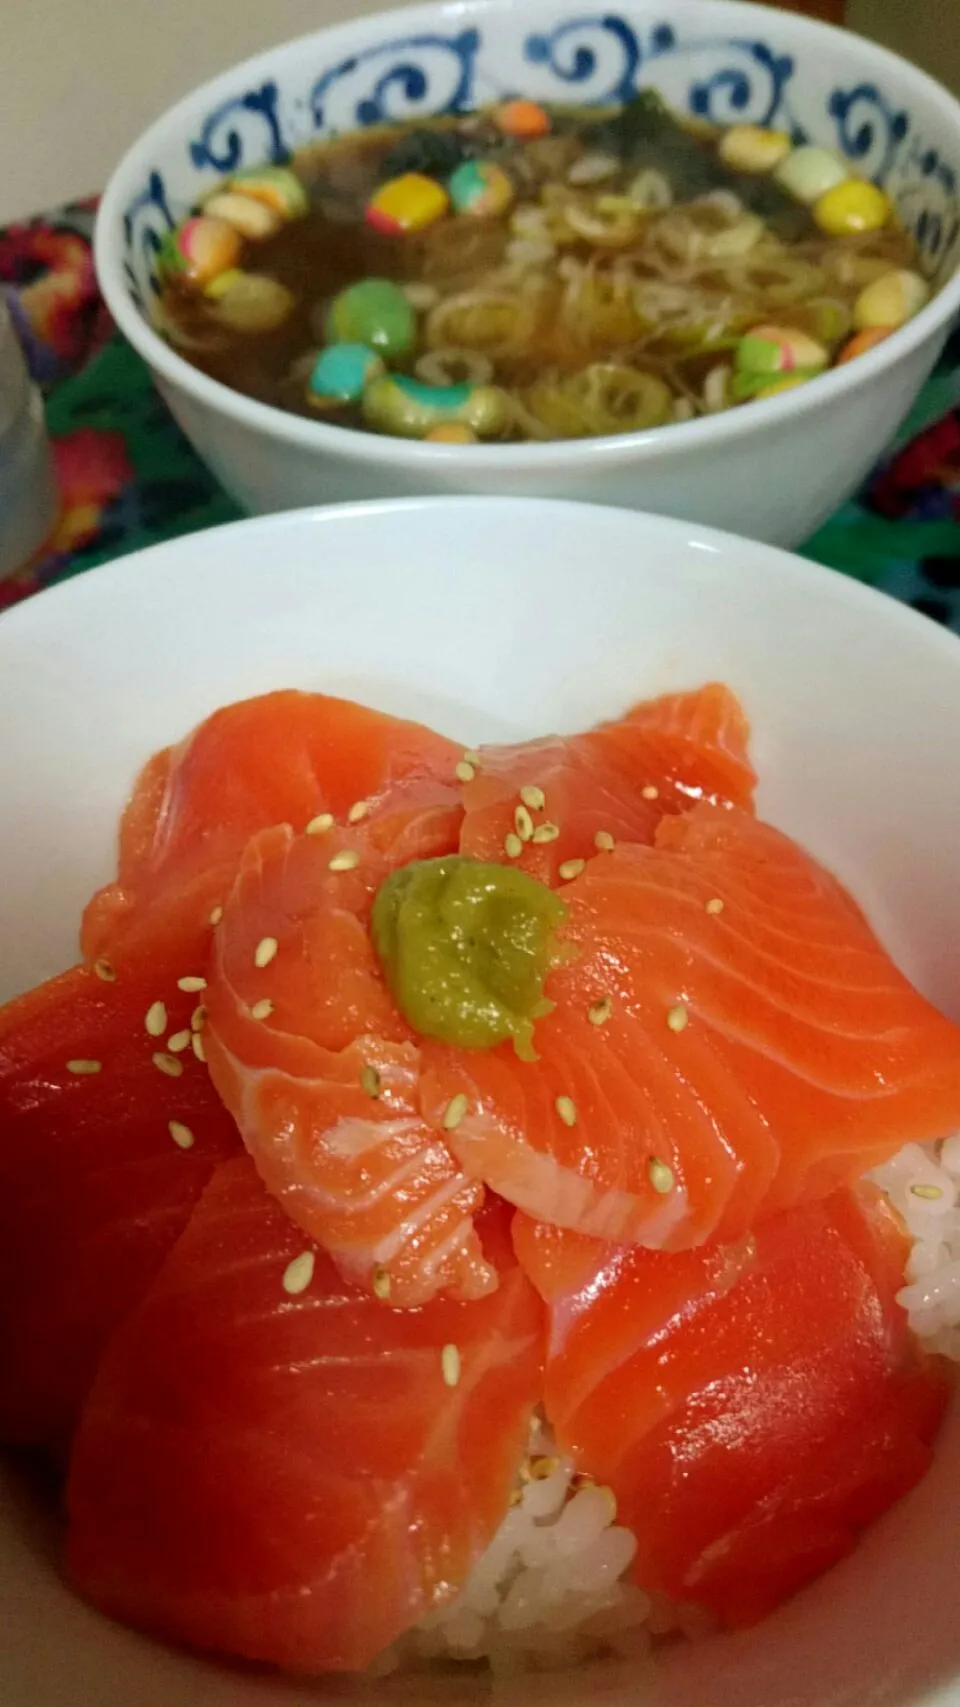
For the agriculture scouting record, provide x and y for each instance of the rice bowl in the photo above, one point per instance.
(916, 941)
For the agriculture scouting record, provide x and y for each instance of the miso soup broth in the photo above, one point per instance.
(524, 273)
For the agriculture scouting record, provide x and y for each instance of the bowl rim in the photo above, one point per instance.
(726, 427)
(831, 585)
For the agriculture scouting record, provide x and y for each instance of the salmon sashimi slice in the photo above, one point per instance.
(109, 1131)
(692, 747)
(545, 803)
(282, 758)
(573, 795)
(728, 1038)
(272, 1464)
(313, 1059)
(752, 1408)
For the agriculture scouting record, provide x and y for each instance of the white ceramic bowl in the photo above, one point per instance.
(773, 471)
(497, 618)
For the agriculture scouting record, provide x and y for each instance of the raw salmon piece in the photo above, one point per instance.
(744, 1059)
(309, 1053)
(752, 1409)
(283, 758)
(616, 781)
(692, 746)
(94, 1189)
(292, 1475)
(582, 797)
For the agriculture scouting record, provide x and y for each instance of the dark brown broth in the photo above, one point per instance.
(332, 247)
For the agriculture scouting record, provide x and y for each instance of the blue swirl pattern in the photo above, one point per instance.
(145, 224)
(752, 90)
(603, 69)
(228, 154)
(594, 57)
(411, 77)
(925, 189)
(869, 130)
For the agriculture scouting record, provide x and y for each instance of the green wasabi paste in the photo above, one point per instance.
(466, 947)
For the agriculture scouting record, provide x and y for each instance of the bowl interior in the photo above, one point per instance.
(495, 618)
(725, 62)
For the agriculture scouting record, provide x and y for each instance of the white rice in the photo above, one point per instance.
(923, 1184)
(552, 1589)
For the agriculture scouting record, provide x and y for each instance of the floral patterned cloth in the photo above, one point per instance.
(128, 477)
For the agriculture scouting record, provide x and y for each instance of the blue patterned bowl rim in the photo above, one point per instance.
(721, 60)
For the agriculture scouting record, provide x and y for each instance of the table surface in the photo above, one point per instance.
(128, 477)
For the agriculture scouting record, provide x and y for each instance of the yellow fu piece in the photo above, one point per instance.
(408, 203)
(851, 208)
(891, 300)
(751, 148)
(253, 219)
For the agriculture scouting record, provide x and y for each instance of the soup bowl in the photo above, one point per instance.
(857, 763)
(773, 471)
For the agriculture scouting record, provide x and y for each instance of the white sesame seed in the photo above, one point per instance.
(455, 1111)
(266, 950)
(533, 797)
(931, 1192)
(370, 1081)
(512, 845)
(715, 905)
(178, 1042)
(262, 1009)
(198, 1047)
(346, 860)
(191, 986)
(650, 792)
(216, 915)
(601, 1011)
(381, 1283)
(523, 823)
(660, 1176)
(571, 868)
(81, 1068)
(319, 825)
(298, 1274)
(181, 1135)
(603, 841)
(168, 1064)
(105, 972)
(198, 1019)
(677, 1017)
(464, 771)
(471, 757)
(567, 1110)
(358, 810)
(450, 1364)
(546, 833)
(156, 1019)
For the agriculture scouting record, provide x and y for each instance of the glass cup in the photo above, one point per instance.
(28, 493)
